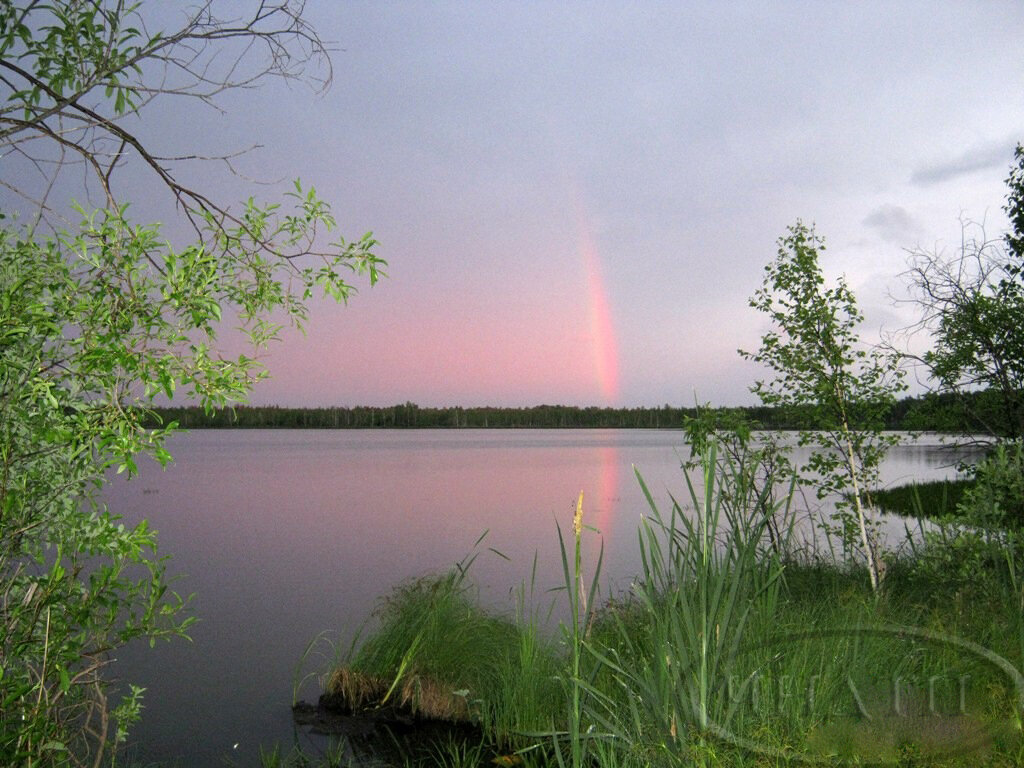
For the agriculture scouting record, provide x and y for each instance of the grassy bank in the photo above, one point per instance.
(936, 500)
(724, 654)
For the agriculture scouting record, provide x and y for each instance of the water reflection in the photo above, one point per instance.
(282, 534)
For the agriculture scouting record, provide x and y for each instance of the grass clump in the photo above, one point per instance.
(708, 584)
(438, 655)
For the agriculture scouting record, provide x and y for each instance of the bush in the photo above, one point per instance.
(997, 496)
(100, 316)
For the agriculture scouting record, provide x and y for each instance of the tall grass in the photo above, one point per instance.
(707, 582)
(726, 652)
(528, 691)
(437, 654)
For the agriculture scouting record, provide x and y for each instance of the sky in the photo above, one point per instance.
(577, 200)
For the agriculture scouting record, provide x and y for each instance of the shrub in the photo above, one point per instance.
(997, 497)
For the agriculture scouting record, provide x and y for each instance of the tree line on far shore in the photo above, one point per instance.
(931, 413)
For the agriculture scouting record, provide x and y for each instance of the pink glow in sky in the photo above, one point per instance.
(568, 226)
(602, 329)
(396, 343)
(540, 330)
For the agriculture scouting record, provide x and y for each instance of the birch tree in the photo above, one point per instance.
(822, 370)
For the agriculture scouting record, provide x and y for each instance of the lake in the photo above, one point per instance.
(282, 534)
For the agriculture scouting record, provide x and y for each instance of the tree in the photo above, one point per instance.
(99, 316)
(971, 306)
(843, 389)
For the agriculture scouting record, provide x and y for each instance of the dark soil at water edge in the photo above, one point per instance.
(385, 737)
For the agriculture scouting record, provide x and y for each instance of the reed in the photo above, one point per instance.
(581, 607)
(686, 669)
(706, 582)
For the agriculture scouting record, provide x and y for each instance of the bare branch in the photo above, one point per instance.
(208, 55)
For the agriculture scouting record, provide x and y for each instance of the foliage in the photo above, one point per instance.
(996, 497)
(100, 316)
(962, 413)
(762, 459)
(952, 556)
(821, 367)
(933, 413)
(703, 590)
(971, 304)
(76, 584)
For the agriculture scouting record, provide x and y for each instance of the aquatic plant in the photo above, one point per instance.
(703, 588)
(689, 667)
(438, 654)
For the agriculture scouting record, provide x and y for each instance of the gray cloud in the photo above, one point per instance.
(892, 223)
(480, 147)
(977, 159)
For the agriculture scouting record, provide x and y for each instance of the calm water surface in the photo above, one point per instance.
(282, 534)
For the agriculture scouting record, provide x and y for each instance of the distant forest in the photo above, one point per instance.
(934, 413)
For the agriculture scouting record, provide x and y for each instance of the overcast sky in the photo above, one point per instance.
(577, 199)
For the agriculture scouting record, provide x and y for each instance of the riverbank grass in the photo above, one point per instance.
(438, 655)
(935, 500)
(725, 653)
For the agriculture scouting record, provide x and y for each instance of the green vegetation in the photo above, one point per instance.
(928, 413)
(971, 304)
(992, 497)
(996, 497)
(937, 500)
(725, 654)
(706, 590)
(100, 315)
(821, 367)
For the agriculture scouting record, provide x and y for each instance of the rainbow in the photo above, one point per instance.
(602, 330)
(604, 347)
